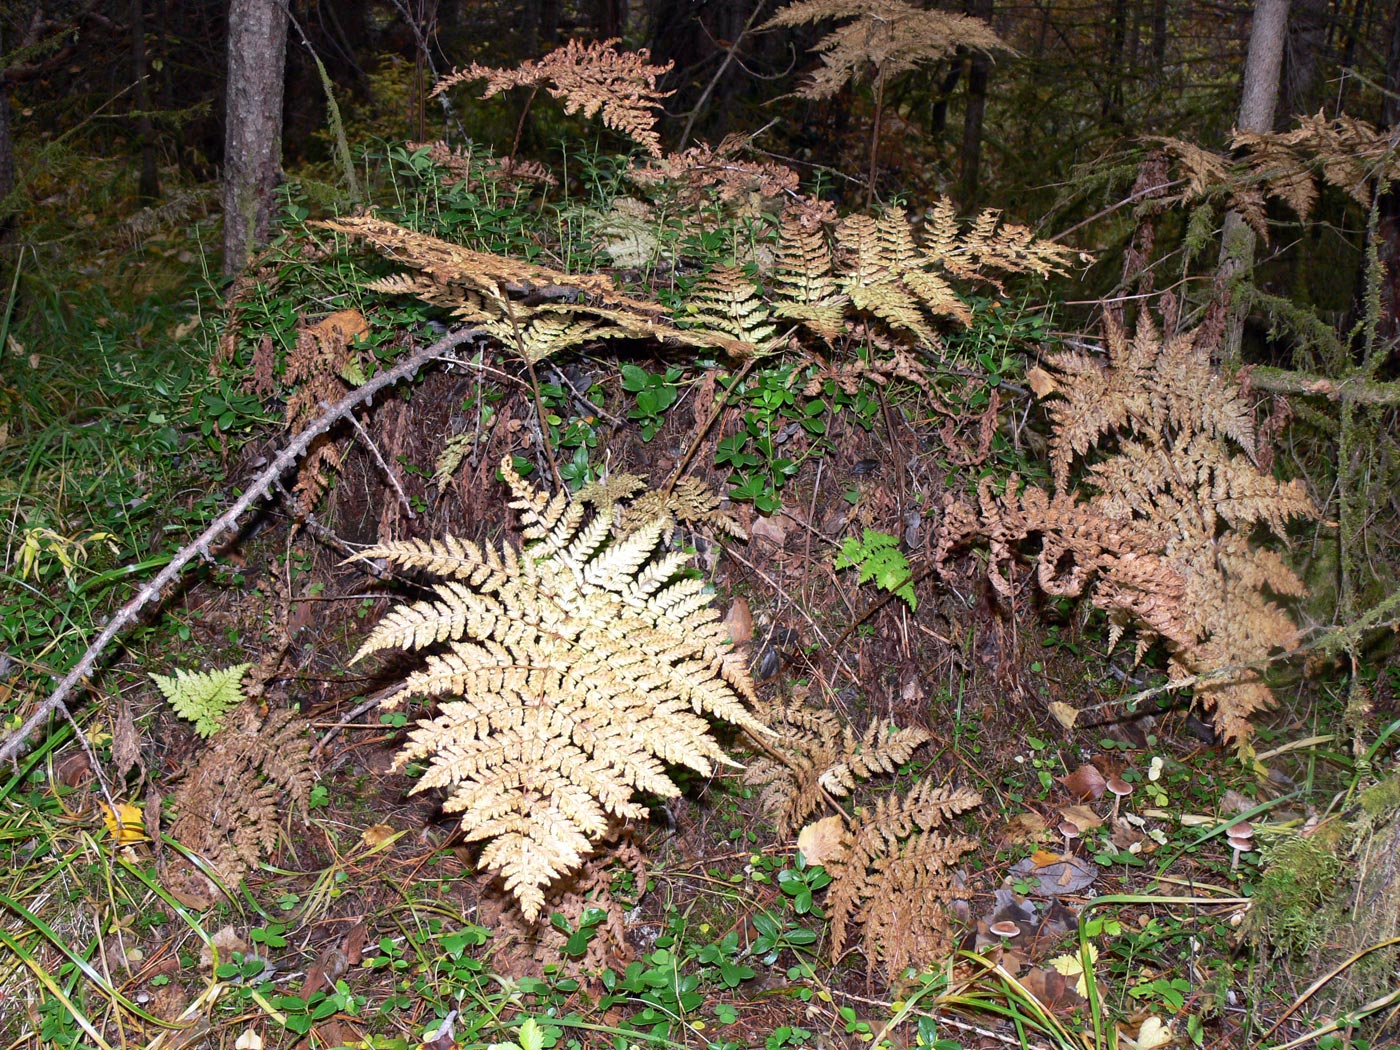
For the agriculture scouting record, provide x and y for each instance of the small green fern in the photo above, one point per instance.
(878, 557)
(205, 698)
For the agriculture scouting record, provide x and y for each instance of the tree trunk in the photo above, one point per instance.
(979, 64)
(1307, 36)
(257, 54)
(148, 188)
(1388, 229)
(7, 153)
(1159, 37)
(1257, 103)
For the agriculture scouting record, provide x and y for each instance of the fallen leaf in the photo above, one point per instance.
(769, 529)
(1085, 817)
(126, 823)
(1064, 713)
(376, 835)
(1054, 990)
(1041, 381)
(820, 841)
(189, 886)
(1060, 876)
(248, 1040)
(223, 944)
(1073, 965)
(1152, 1033)
(328, 968)
(1086, 784)
(1024, 828)
(739, 620)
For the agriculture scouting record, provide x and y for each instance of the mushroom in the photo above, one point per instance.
(1121, 789)
(1241, 839)
(1070, 830)
(1004, 929)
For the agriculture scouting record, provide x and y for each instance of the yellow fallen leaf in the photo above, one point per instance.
(1041, 381)
(820, 841)
(376, 835)
(1071, 965)
(1152, 1033)
(1064, 713)
(126, 824)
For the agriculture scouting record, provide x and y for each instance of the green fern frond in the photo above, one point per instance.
(204, 698)
(878, 557)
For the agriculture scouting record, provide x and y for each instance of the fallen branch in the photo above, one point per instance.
(260, 489)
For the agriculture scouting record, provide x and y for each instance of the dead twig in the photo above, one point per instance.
(260, 489)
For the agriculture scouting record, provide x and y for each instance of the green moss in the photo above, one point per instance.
(1291, 906)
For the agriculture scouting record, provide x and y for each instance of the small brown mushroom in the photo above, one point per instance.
(1241, 839)
(1004, 929)
(1121, 789)
(1070, 830)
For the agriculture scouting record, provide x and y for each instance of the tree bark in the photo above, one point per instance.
(148, 187)
(1259, 98)
(979, 64)
(257, 54)
(7, 154)
(1302, 60)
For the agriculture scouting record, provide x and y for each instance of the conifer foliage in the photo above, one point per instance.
(571, 671)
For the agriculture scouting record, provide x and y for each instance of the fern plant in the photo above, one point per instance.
(572, 672)
(203, 698)
(1163, 539)
(879, 559)
(814, 754)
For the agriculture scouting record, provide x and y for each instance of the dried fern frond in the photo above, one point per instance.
(890, 35)
(230, 803)
(891, 876)
(691, 501)
(720, 168)
(804, 288)
(1349, 154)
(1209, 174)
(322, 366)
(1163, 542)
(590, 78)
(572, 671)
(727, 301)
(818, 753)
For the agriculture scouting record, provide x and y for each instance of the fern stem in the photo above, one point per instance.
(875, 137)
(540, 413)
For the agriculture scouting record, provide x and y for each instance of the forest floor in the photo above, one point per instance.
(368, 925)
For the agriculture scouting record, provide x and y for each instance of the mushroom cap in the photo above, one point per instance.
(1244, 830)
(1004, 929)
(1069, 829)
(1118, 786)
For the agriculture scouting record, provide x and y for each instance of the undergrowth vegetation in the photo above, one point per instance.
(809, 622)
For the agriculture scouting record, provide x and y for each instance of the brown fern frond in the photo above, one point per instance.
(696, 170)
(571, 674)
(891, 875)
(804, 289)
(1164, 541)
(871, 276)
(323, 365)
(1209, 174)
(890, 35)
(817, 753)
(590, 78)
(228, 805)
(691, 501)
